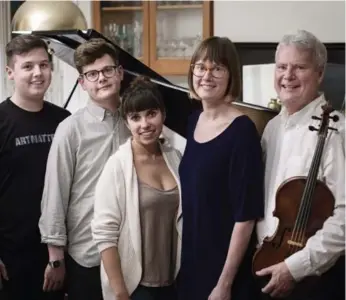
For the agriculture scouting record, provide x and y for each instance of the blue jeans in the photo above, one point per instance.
(154, 293)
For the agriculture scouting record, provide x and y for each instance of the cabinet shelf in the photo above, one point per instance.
(183, 6)
(159, 7)
(121, 8)
(173, 58)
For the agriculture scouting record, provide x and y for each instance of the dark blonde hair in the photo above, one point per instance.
(23, 44)
(86, 53)
(142, 94)
(219, 50)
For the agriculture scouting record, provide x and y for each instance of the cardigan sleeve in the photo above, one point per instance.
(108, 211)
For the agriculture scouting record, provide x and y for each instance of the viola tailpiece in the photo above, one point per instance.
(303, 203)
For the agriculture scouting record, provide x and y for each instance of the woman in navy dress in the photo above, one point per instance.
(221, 175)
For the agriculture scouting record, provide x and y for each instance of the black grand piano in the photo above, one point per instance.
(179, 105)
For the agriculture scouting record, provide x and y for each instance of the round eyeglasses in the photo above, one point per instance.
(199, 70)
(94, 75)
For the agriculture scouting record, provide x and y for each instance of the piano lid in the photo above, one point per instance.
(179, 105)
(64, 42)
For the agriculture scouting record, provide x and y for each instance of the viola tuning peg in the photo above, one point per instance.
(312, 128)
(315, 118)
(335, 118)
(331, 128)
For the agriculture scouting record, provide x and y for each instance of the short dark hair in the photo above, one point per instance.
(23, 44)
(220, 50)
(95, 48)
(142, 94)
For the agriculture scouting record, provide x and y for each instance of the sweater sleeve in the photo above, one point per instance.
(108, 212)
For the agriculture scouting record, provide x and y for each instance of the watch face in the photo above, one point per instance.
(56, 264)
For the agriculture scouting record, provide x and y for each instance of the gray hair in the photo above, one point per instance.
(307, 41)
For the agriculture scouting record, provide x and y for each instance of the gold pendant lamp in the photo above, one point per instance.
(48, 15)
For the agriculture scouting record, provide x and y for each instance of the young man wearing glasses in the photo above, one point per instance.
(80, 148)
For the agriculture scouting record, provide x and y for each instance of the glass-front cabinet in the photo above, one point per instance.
(124, 22)
(162, 34)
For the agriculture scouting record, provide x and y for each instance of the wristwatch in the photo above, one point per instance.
(56, 263)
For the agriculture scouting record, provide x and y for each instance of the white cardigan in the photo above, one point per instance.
(116, 219)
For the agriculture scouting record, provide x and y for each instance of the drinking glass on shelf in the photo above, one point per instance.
(173, 46)
(111, 31)
(137, 39)
(123, 37)
(181, 48)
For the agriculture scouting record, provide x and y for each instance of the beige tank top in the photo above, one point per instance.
(158, 210)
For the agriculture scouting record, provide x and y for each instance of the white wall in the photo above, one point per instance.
(267, 21)
(5, 36)
(66, 76)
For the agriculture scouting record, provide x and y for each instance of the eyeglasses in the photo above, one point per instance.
(94, 75)
(199, 70)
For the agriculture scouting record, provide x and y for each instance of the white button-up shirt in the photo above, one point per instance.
(81, 146)
(288, 147)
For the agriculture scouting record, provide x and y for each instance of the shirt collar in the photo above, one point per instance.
(99, 112)
(305, 113)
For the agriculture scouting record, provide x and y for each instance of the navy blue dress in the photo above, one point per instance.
(222, 183)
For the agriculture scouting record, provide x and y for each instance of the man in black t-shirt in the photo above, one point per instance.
(27, 127)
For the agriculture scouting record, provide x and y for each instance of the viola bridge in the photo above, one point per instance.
(293, 243)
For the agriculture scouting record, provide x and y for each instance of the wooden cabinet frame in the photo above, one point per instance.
(161, 65)
(174, 66)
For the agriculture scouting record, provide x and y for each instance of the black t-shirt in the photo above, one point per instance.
(25, 139)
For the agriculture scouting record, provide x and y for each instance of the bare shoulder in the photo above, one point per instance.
(234, 113)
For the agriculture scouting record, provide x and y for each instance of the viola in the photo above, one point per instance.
(303, 203)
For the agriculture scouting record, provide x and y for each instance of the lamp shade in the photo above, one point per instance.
(48, 15)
